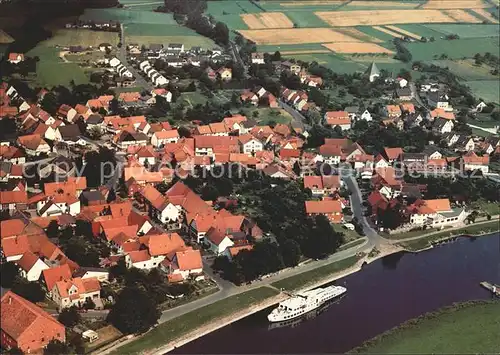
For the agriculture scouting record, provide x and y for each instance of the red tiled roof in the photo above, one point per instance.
(327, 207)
(189, 259)
(11, 227)
(54, 274)
(163, 244)
(27, 261)
(30, 326)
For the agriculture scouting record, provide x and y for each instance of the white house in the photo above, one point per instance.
(250, 144)
(366, 116)
(257, 58)
(75, 291)
(163, 137)
(186, 263)
(31, 266)
(114, 62)
(218, 242)
(49, 207)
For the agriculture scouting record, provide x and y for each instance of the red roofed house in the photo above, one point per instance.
(332, 209)
(31, 266)
(185, 263)
(322, 185)
(33, 144)
(473, 162)
(163, 137)
(26, 326)
(392, 111)
(435, 213)
(75, 291)
(15, 58)
(338, 118)
(392, 154)
(54, 274)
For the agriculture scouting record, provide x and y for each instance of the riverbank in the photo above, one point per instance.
(427, 242)
(470, 327)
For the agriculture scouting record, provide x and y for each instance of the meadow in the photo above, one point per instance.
(488, 90)
(467, 328)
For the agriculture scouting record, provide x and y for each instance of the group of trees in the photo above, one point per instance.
(462, 189)
(136, 307)
(11, 279)
(191, 14)
(403, 54)
(278, 208)
(488, 59)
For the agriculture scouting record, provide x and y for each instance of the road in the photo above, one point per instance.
(296, 115)
(121, 54)
(357, 208)
(236, 55)
(416, 95)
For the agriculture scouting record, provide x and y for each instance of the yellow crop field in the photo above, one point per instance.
(462, 16)
(267, 20)
(486, 15)
(405, 32)
(296, 36)
(454, 4)
(383, 4)
(383, 17)
(356, 47)
(388, 31)
(311, 3)
(354, 32)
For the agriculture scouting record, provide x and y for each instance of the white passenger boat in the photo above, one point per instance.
(304, 302)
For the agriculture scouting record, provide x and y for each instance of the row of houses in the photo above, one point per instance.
(156, 78)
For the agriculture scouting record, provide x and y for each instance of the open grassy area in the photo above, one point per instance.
(182, 325)
(474, 229)
(268, 115)
(349, 235)
(128, 16)
(52, 71)
(82, 37)
(188, 40)
(468, 328)
(303, 279)
(466, 69)
(454, 49)
(488, 90)
(465, 30)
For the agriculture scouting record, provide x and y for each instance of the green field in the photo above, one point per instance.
(466, 69)
(460, 329)
(268, 115)
(231, 7)
(455, 49)
(81, 37)
(488, 90)
(305, 19)
(128, 16)
(465, 30)
(52, 71)
(423, 30)
(188, 322)
(301, 280)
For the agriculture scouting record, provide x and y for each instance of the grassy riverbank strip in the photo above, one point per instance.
(474, 230)
(470, 327)
(180, 326)
(310, 277)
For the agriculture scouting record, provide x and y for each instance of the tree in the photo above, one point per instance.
(221, 33)
(53, 229)
(56, 347)
(32, 291)
(69, 317)
(89, 304)
(134, 311)
(9, 272)
(290, 250)
(14, 351)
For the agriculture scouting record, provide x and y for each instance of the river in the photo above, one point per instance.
(384, 294)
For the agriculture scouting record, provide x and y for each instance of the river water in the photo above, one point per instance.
(384, 294)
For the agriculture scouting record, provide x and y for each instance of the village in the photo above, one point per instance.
(97, 193)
